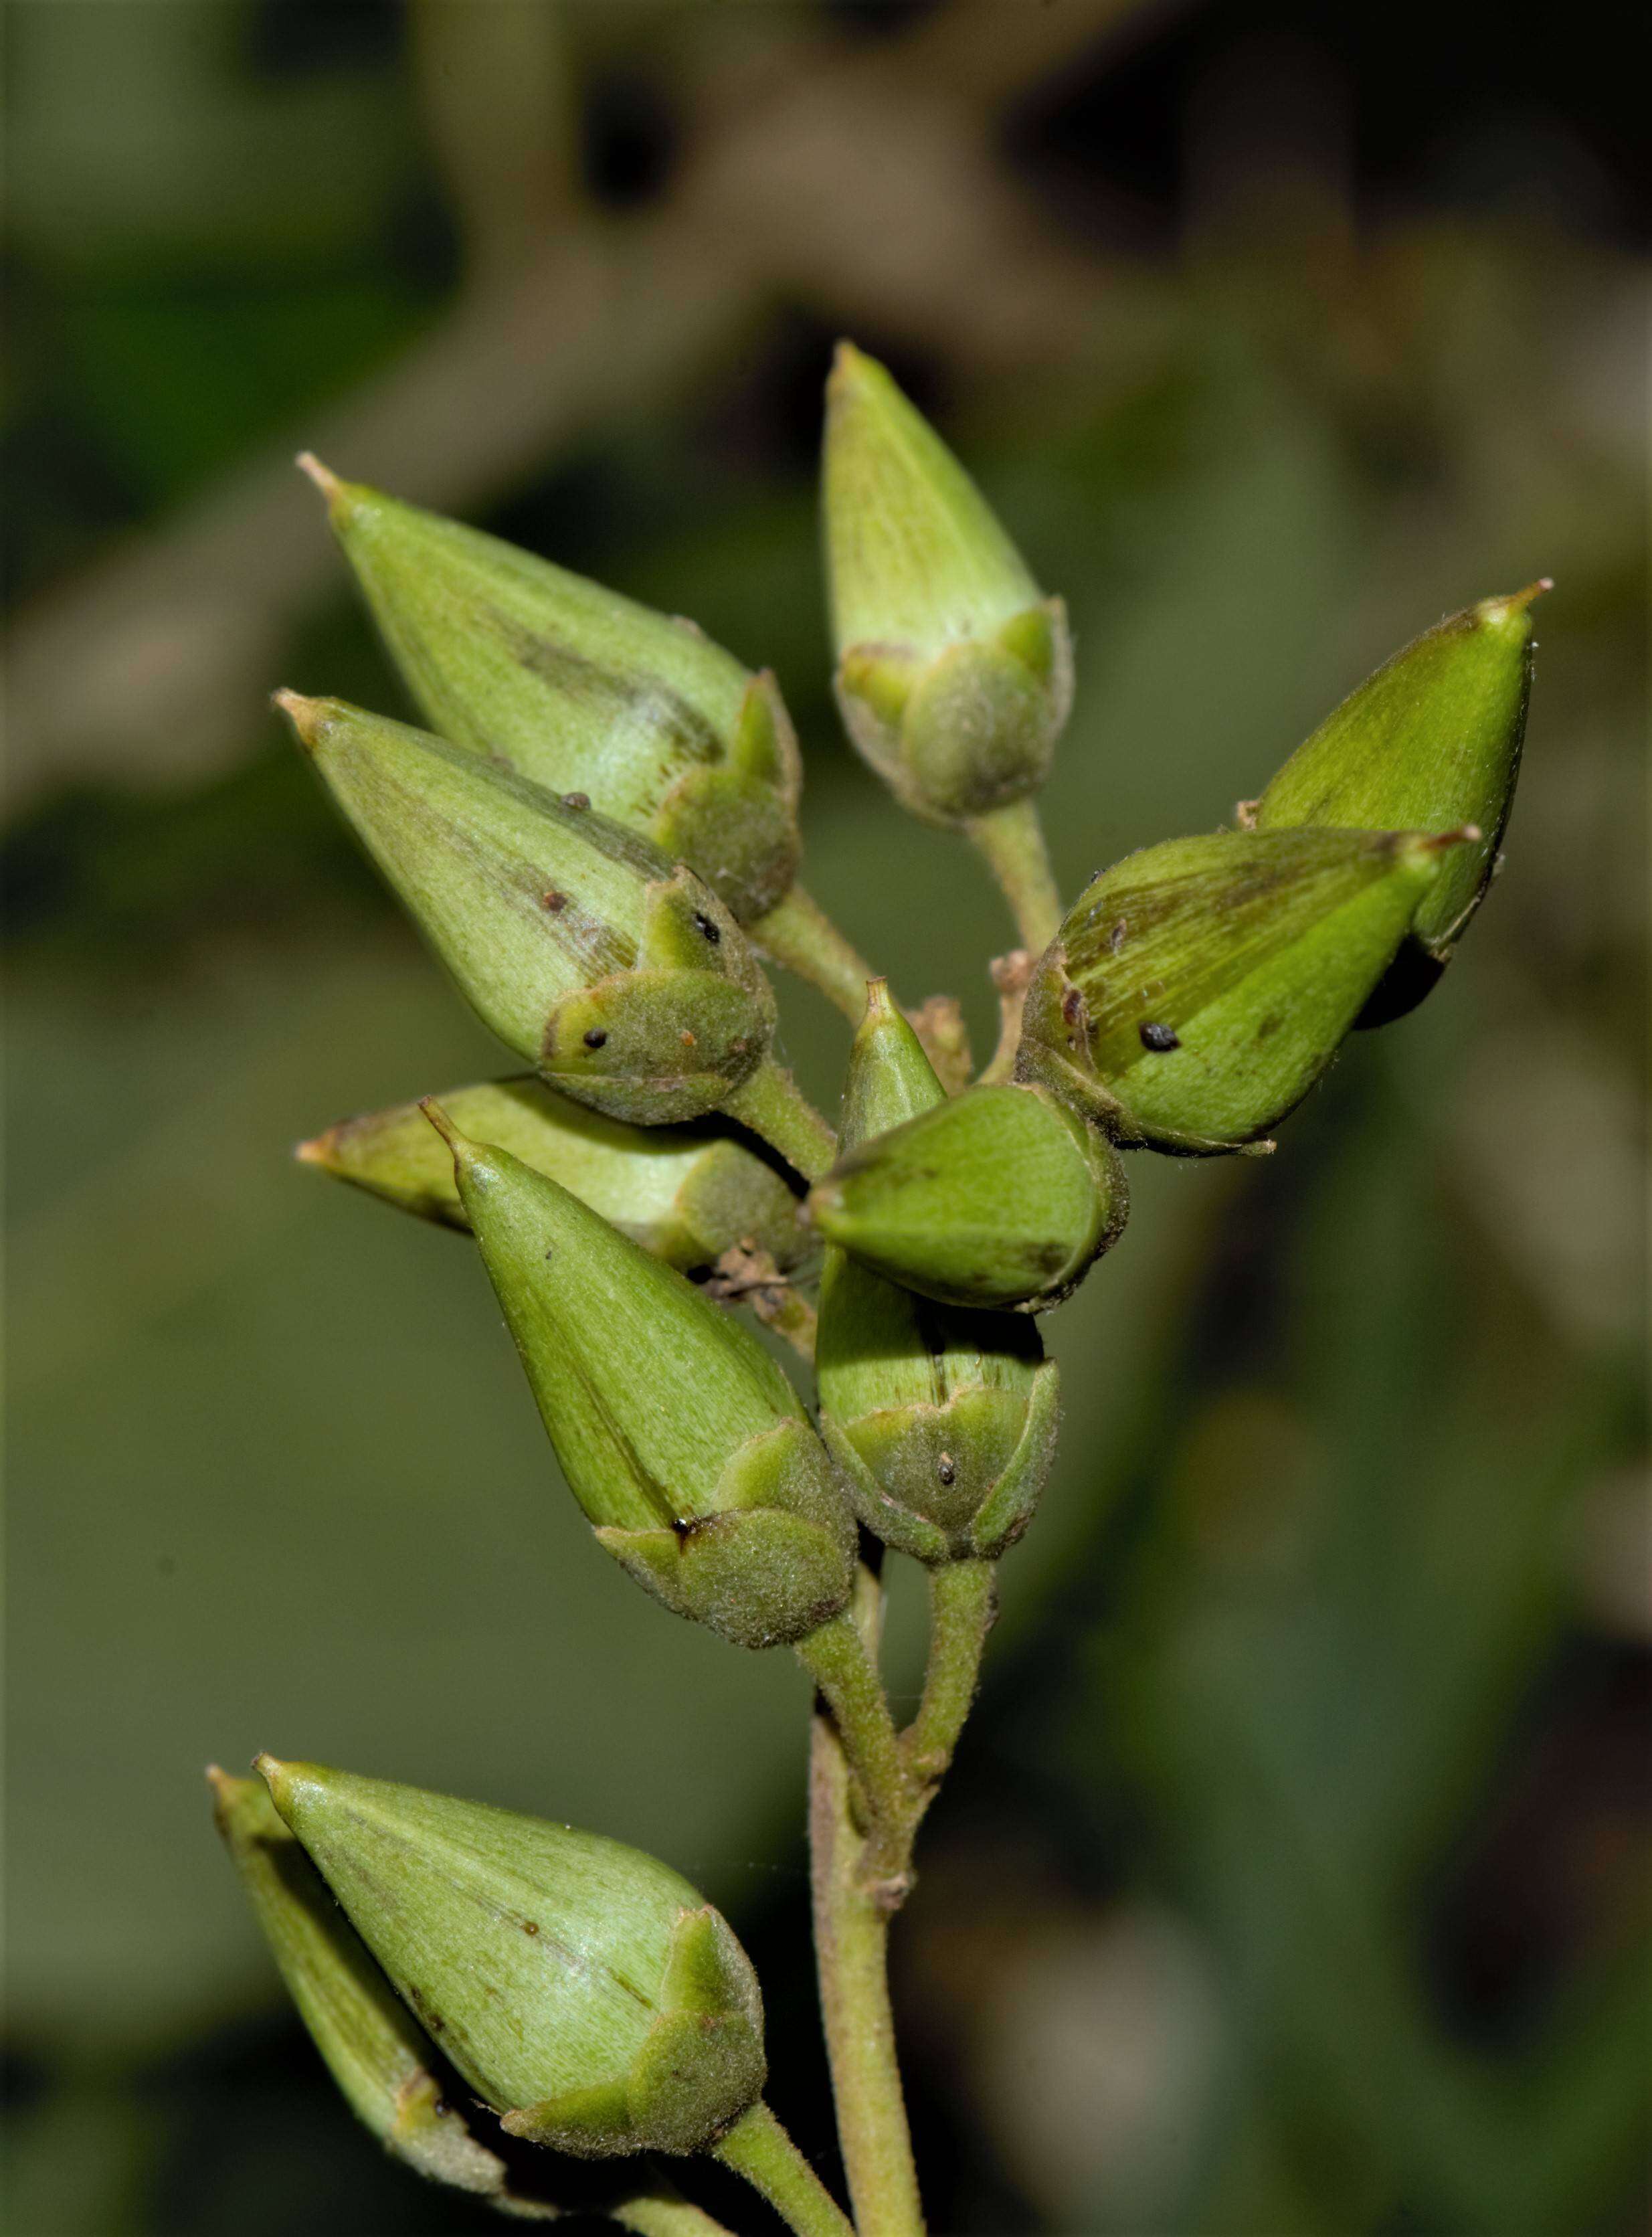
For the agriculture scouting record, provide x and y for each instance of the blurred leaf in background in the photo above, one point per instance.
(1295, 1880)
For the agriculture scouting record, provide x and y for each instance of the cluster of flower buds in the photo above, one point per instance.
(599, 839)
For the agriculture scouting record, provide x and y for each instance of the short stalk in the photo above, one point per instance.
(757, 2147)
(837, 1658)
(772, 1105)
(963, 1608)
(1012, 840)
(798, 933)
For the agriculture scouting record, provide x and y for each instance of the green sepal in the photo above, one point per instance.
(926, 1409)
(667, 1416)
(1431, 740)
(382, 2061)
(685, 1193)
(583, 691)
(551, 1964)
(770, 1561)
(1002, 1198)
(552, 919)
(1197, 990)
(954, 674)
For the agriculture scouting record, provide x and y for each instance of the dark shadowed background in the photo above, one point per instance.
(1293, 1879)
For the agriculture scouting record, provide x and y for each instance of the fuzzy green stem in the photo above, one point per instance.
(757, 2147)
(963, 1608)
(663, 2211)
(1012, 840)
(836, 1657)
(772, 1105)
(798, 933)
(851, 1915)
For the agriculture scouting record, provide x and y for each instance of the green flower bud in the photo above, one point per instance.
(379, 2055)
(1431, 740)
(623, 979)
(686, 1193)
(685, 1446)
(583, 691)
(1000, 1198)
(944, 1423)
(955, 675)
(1197, 989)
(584, 1991)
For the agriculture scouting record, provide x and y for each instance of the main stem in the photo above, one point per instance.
(757, 2147)
(852, 1908)
(1012, 839)
(798, 933)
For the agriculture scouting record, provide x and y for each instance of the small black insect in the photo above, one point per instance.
(703, 923)
(1160, 1039)
(553, 902)
(576, 800)
(945, 1469)
(594, 1037)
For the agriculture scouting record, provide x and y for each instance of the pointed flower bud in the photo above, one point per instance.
(379, 2057)
(584, 1991)
(1430, 741)
(943, 1422)
(955, 675)
(1197, 989)
(686, 1193)
(626, 982)
(1000, 1198)
(685, 1446)
(582, 690)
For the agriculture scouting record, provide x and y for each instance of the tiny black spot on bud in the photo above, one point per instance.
(553, 900)
(1160, 1039)
(703, 923)
(576, 800)
(1071, 1003)
(528, 1927)
(946, 1469)
(594, 1037)
(1115, 938)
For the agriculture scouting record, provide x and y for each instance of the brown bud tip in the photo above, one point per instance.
(878, 1002)
(438, 1118)
(313, 1152)
(1466, 834)
(308, 716)
(324, 477)
(270, 1768)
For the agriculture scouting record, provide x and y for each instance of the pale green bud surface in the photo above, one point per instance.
(1198, 989)
(954, 671)
(686, 1193)
(684, 1443)
(1430, 741)
(1001, 1197)
(943, 1421)
(622, 979)
(381, 2058)
(583, 691)
(586, 1992)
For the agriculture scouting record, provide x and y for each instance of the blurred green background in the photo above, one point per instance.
(1293, 1875)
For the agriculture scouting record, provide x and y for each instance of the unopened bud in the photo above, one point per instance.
(943, 1422)
(681, 1439)
(623, 979)
(686, 1193)
(1197, 990)
(1432, 740)
(583, 691)
(955, 675)
(1000, 1198)
(380, 2057)
(584, 1991)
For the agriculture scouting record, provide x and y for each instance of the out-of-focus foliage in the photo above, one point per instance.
(1291, 1882)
